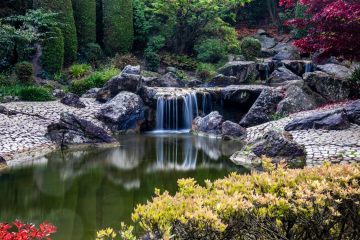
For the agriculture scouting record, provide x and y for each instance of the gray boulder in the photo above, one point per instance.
(58, 93)
(330, 120)
(261, 110)
(72, 100)
(336, 70)
(299, 67)
(286, 51)
(266, 41)
(168, 80)
(353, 112)
(208, 125)
(231, 130)
(333, 89)
(281, 75)
(72, 130)
(132, 70)
(221, 80)
(91, 93)
(125, 112)
(195, 83)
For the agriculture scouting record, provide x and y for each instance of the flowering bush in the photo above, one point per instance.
(312, 203)
(21, 231)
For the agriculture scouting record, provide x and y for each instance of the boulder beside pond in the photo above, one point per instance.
(72, 100)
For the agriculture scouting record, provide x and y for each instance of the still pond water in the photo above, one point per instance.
(83, 191)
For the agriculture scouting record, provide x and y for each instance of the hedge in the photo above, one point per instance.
(52, 57)
(66, 18)
(311, 203)
(118, 26)
(85, 21)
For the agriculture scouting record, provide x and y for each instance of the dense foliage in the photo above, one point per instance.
(85, 21)
(21, 231)
(250, 48)
(24, 72)
(118, 26)
(333, 28)
(52, 58)
(313, 203)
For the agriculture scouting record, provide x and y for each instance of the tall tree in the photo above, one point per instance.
(85, 21)
(118, 26)
(66, 18)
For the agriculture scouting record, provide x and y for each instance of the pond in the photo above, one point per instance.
(85, 190)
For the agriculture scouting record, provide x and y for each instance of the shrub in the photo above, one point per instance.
(26, 231)
(211, 50)
(85, 21)
(52, 58)
(179, 61)
(205, 71)
(121, 61)
(355, 76)
(118, 26)
(250, 48)
(152, 59)
(34, 93)
(311, 203)
(24, 72)
(91, 53)
(95, 80)
(79, 70)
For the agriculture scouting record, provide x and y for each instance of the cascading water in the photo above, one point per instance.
(174, 114)
(206, 103)
(308, 67)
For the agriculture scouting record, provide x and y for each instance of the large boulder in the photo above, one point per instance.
(72, 100)
(91, 93)
(286, 51)
(299, 67)
(236, 72)
(329, 120)
(353, 112)
(208, 125)
(265, 41)
(231, 130)
(336, 70)
(263, 108)
(72, 130)
(129, 80)
(125, 112)
(333, 89)
(281, 75)
(168, 80)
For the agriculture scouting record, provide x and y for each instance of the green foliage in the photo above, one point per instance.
(85, 21)
(211, 50)
(91, 53)
(206, 71)
(95, 80)
(311, 203)
(152, 59)
(355, 76)
(66, 18)
(250, 48)
(121, 61)
(179, 61)
(24, 72)
(79, 70)
(26, 93)
(52, 58)
(141, 25)
(118, 26)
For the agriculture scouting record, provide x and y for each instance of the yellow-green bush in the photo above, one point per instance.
(79, 70)
(312, 203)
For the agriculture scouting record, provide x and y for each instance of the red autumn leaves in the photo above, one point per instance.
(21, 231)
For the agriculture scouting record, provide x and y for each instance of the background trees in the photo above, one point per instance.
(85, 21)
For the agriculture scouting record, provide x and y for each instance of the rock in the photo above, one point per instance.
(208, 125)
(331, 88)
(353, 112)
(169, 80)
(124, 112)
(285, 51)
(260, 32)
(299, 67)
(261, 110)
(5, 111)
(72, 130)
(231, 130)
(237, 72)
(59, 93)
(171, 69)
(129, 80)
(91, 93)
(2, 161)
(281, 75)
(265, 41)
(195, 83)
(245, 158)
(330, 120)
(336, 70)
(7, 99)
(241, 94)
(275, 144)
(72, 100)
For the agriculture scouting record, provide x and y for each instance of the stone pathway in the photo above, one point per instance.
(25, 132)
(335, 146)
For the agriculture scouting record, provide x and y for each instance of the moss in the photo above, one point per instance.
(118, 26)
(66, 18)
(52, 57)
(85, 21)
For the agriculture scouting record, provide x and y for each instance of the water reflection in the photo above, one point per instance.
(81, 191)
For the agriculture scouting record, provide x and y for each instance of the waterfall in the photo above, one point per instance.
(206, 103)
(176, 113)
(308, 67)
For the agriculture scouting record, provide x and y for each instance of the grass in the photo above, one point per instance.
(26, 93)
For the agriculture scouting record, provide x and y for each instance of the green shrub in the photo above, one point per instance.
(211, 50)
(179, 61)
(95, 80)
(118, 26)
(91, 53)
(66, 18)
(85, 21)
(121, 61)
(34, 93)
(24, 72)
(152, 59)
(250, 48)
(355, 76)
(52, 58)
(79, 70)
(311, 203)
(206, 71)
